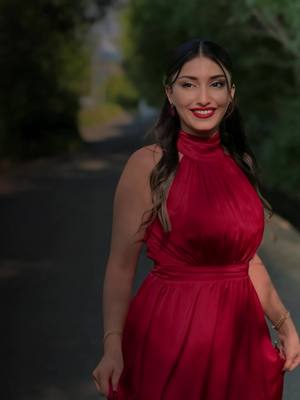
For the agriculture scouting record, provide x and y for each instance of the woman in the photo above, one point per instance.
(196, 328)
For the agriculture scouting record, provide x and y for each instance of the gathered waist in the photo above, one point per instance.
(200, 272)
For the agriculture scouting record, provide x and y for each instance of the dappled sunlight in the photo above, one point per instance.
(92, 165)
(77, 391)
(13, 268)
(283, 223)
(9, 186)
(27, 177)
(108, 130)
(285, 248)
(283, 230)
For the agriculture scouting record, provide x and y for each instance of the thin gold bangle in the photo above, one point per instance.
(281, 320)
(110, 332)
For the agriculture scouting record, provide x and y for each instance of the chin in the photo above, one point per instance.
(204, 127)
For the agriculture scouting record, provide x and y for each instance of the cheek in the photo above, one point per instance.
(222, 99)
(183, 98)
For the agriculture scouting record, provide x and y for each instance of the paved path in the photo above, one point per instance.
(55, 233)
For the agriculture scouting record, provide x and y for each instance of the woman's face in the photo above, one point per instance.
(201, 84)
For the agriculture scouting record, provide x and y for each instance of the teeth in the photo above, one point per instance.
(203, 112)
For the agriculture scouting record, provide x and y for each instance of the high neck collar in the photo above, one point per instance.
(196, 146)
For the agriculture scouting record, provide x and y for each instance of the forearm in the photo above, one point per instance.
(268, 296)
(117, 289)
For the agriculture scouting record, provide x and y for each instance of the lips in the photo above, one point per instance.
(202, 112)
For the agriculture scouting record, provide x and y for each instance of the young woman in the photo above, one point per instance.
(196, 328)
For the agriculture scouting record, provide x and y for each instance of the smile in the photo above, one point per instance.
(203, 113)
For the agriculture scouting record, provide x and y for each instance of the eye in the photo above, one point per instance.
(187, 85)
(218, 84)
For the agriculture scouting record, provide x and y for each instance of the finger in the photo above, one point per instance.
(115, 379)
(289, 367)
(110, 389)
(97, 385)
(295, 363)
(96, 379)
(105, 385)
(101, 382)
(288, 364)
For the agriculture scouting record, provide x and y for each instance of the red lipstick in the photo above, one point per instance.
(203, 112)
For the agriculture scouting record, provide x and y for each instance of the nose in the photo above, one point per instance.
(202, 97)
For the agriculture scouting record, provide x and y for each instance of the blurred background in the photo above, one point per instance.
(80, 84)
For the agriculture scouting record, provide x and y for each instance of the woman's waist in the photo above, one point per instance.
(184, 271)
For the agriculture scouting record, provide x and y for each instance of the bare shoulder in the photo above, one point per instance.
(137, 169)
(151, 153)
(145, 158)
(153, 149)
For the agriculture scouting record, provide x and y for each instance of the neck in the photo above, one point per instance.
(205, 134)
(199, 146)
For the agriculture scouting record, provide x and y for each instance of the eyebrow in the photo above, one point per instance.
(195, 79)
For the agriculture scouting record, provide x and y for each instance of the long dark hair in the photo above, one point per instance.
(166, 128)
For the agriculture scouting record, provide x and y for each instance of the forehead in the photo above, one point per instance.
(202, 67)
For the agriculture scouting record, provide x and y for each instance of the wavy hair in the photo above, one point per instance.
(166, 128)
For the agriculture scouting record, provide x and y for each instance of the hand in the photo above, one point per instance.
(108, 371)
(290, 349)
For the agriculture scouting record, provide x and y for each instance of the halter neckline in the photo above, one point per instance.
(196, 146)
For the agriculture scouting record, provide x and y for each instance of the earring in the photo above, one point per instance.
(172, 110)
(229, 110)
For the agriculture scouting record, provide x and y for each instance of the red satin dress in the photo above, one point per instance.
(195, 329)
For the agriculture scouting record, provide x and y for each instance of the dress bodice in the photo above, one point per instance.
(216, 214)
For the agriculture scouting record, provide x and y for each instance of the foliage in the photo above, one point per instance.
(120, 90)
(42, 65)
(263, 38)
(90, 117)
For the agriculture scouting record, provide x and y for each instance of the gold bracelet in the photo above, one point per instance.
(281, 320)
(110, 332)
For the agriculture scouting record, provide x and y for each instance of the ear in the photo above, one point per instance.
(169, 92)
(232, 90)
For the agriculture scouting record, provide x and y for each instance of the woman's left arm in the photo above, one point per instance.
(274, 309)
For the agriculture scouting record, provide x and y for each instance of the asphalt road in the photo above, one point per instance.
(55, 234)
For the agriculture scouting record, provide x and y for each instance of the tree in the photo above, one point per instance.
(42, 61)
(264, 41)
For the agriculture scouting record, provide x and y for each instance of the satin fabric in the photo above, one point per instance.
(196, 329)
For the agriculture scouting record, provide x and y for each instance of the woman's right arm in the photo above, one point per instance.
(132, 198)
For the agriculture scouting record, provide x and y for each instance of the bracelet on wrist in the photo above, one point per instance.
(112, 332)
(281, 320)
